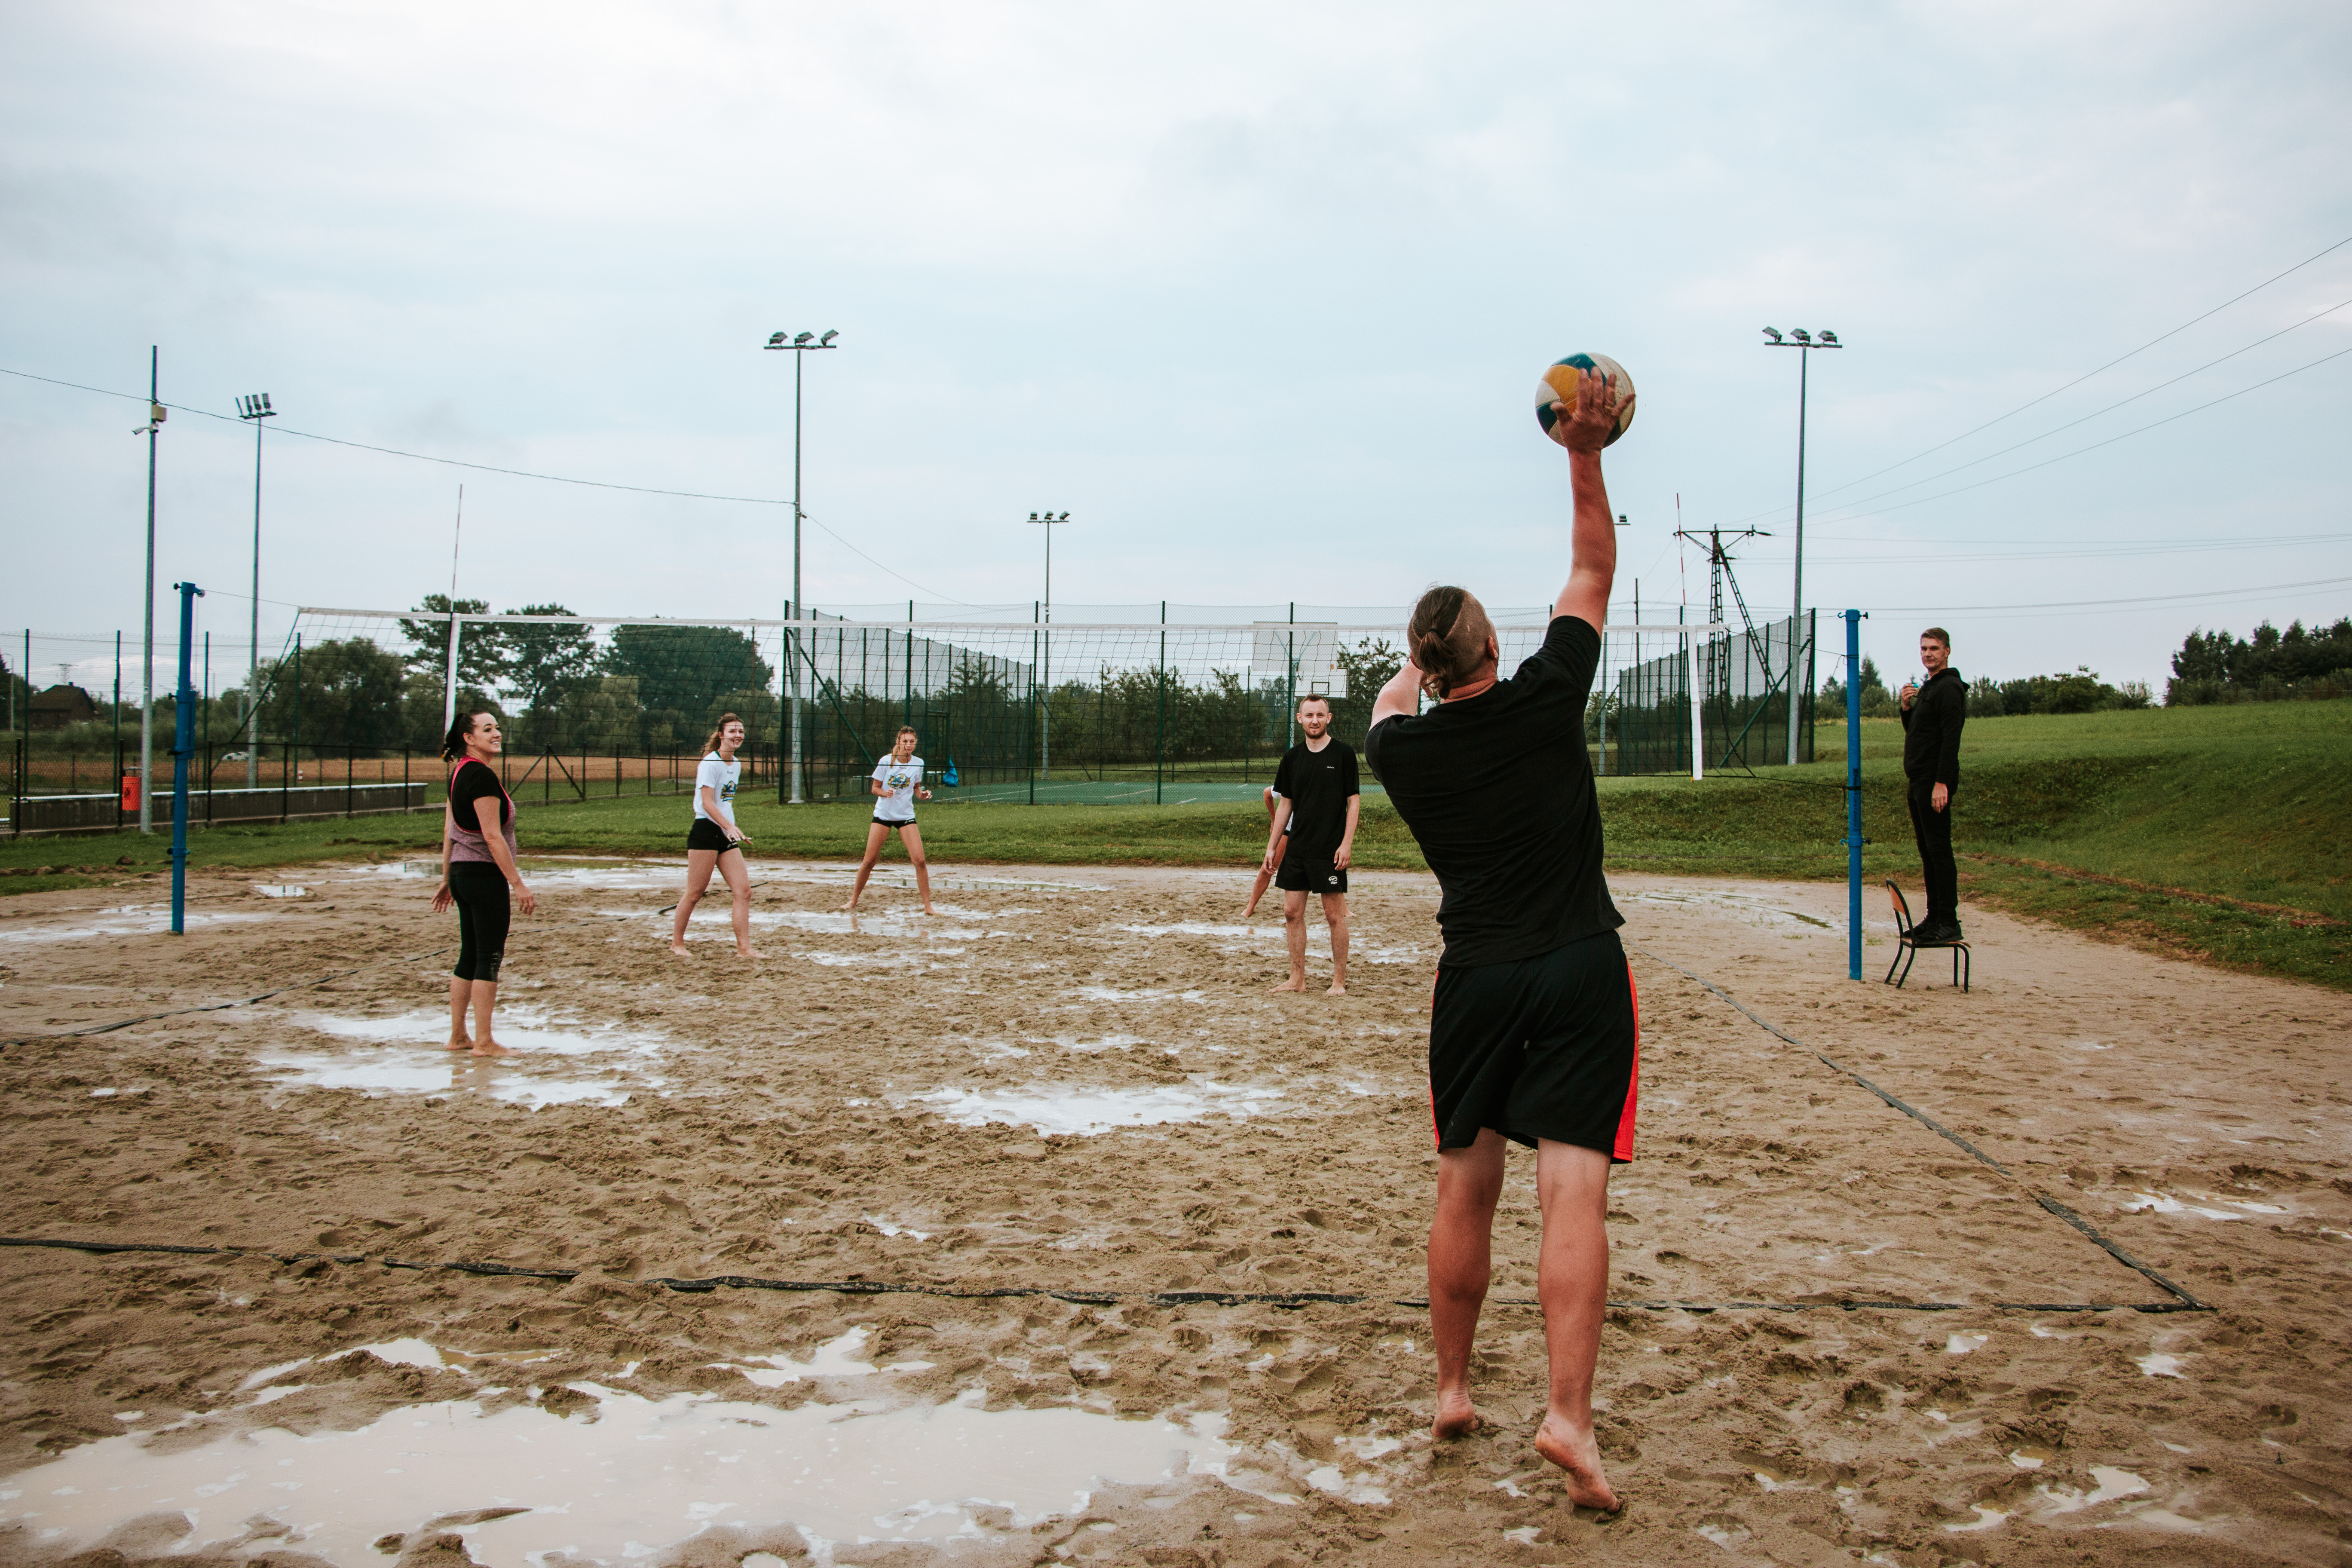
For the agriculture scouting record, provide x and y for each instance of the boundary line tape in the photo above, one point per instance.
(1081, 1297)
(2187, 1302)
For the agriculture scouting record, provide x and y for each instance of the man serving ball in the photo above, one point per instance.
(1533, 1033)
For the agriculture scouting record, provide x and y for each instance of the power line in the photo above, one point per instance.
(2095, 552)
(2101, 370)
(2104, 603)
(2030, 467)
(2096, 413)
(511, 473)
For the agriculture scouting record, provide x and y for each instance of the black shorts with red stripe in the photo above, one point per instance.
(1544, 1048)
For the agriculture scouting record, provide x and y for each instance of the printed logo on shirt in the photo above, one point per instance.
(896, 780)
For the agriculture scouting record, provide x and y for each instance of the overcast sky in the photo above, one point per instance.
(1258, 294)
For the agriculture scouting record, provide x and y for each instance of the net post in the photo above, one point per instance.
(1853, 619)
(1697, 707)
(449, 681)
(1159, 746)
(184, 743)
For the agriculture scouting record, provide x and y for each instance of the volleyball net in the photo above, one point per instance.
(1093, 710)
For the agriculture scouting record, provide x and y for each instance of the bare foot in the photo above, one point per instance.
(490, 1049)
(749, 952)
(1249, 909)
(679, 948)
(1456, 1416)
(460, 1044)
(929, 911)
(851, 907)
(1300, 985)
(1338, 988)
(1578, 1457)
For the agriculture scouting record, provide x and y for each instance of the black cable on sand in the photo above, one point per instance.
(1074, 1295)
(2184, 1301)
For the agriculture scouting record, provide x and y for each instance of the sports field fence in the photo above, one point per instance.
(346, 714)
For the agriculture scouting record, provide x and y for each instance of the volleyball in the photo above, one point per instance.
(1558, 386)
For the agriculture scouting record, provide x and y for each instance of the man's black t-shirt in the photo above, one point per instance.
(1317, 784)
(475, 782)
(1498, 791)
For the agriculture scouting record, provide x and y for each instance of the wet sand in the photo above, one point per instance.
(1841, 1337)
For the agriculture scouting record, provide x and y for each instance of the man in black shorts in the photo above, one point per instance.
(1316, 803)
(1533, 1035)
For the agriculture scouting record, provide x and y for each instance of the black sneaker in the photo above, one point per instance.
(1933, 933)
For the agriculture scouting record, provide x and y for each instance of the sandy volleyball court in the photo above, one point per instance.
(1118, 1175)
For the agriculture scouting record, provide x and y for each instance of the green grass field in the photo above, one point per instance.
(2206, 823)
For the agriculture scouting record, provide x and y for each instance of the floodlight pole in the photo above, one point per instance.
(147, 662)
(796, 611)
(1045, 665)
(1799, 339)
(254, 410)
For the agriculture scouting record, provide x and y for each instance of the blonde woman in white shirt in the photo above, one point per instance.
(714, 842)
(897, 783)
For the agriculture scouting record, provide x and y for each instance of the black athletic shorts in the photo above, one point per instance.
(1299, 872)
(893, 822)
(707, 835)
(1546, 1048)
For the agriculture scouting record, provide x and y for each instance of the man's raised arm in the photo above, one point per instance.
(1592, 541)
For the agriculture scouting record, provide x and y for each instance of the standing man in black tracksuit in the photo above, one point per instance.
(1932, 717)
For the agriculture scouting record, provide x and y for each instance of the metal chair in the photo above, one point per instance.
(1906, 947)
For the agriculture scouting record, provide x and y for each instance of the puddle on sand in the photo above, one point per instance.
(520, 1029)
(1757, 911)
(643, 1477)
(132, 922)
(1052, 1108)
(2165, 1202)
(393, 1071)
(406, 1053)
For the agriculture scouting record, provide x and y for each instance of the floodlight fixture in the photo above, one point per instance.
(1773, 333)
(1801, 335)
(1829, 340)
(826, 342)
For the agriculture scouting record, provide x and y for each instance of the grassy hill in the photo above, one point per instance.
(2210, 831)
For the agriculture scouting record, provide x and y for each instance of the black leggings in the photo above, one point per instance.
(483, 915)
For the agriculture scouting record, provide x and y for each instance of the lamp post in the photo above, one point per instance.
(1047, 521)
(154, 428)
(798, 347)
(1799, 338)
(254, 410)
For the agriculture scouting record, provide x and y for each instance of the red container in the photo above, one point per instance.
(131, 792)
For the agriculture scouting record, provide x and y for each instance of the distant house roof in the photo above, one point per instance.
(60, 706)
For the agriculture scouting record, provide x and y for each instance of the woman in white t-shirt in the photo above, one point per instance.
(897, 783)
(714, 841)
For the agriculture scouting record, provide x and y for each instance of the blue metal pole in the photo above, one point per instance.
(183, 744)
(1853, 619)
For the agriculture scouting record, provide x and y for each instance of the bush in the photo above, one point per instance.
(2080, 692)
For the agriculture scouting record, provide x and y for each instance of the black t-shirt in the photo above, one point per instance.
(1318, 786)
(1498, 791)
(475, 781)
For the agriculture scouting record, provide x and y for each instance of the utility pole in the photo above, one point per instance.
(147, 663)
(796, 611)
(254, 410)
(1047, 521)
(1799, 338)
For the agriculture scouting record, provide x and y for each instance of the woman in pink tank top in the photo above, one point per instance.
(478, 875)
